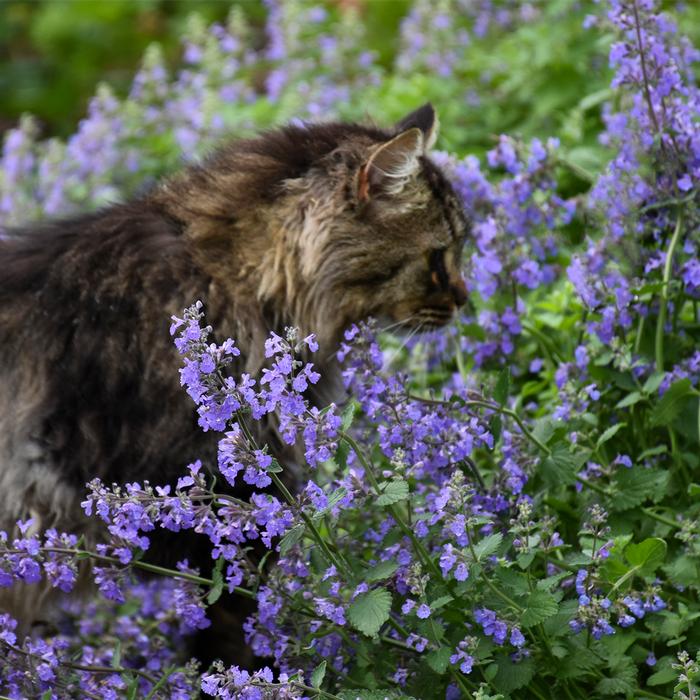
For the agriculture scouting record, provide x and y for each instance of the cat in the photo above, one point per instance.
(314, 226)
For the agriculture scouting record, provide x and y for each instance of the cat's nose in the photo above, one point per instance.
(459, 291)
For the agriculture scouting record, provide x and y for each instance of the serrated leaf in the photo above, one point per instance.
(636, 485)
(348, 416)
(439, 660)
(548, 583)
(383, 570)
(218, 578)
(369, 611)
(274, 467)
(318, 675)
(682, 571)
(513, 580)
(392, 492)
(511, 676)
(671, 403)
(291, 537)
(487, 546)
(333, 499)
(580, 660)
(502, 389)
(561, 465)
(622, 679)
(609, 434)
(648, 555)
(544, 428)
(631, 399)
(540, 605)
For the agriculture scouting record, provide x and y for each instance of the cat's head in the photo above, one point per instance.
(383, 230)
(326, 224)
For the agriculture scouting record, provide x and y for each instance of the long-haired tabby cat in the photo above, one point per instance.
(314, 226)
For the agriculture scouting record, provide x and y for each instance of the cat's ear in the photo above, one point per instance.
(391, 165)
(424, 118)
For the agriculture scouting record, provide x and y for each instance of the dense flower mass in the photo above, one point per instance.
(504, 509)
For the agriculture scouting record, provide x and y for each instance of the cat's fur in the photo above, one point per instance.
(313, 226)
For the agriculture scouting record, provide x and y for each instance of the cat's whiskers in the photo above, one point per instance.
(400, 322)
(413, 332)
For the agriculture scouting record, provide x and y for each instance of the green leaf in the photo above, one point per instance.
(683, 571)
(548, 583)
(291, 538)
(622, 680)
(441, 602)
(561, 466)
(647, 555)
(514, 580)
(630, 400)
(511, 676)
(348, 416)
(652, 452)
(439, 659)
(540, 605)
(671, 403)
(544, 428)
(318, 675)
(117, 655)
(392, 492)
(333, 499)
(636, 485)
(609, 433)
(500, 393)
(664, 672)
(218, 578)
(274, 467)
(652, 384)
(383, 570)
(132, 689)
(496, 426)
(486, 547)
(369, 611)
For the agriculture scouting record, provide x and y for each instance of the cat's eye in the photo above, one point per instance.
(438, 269)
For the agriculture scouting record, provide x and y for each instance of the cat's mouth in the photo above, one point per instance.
(431, 318)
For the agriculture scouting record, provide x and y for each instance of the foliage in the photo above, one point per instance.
(507, 509)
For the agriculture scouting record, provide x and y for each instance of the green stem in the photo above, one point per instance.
(421, 551)
(315, 534)
(496, 591)
(577, 170)
(660, 518)
(663, 308)
(648, 694)
(593, 486)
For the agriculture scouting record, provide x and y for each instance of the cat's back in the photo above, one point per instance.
(86, 362)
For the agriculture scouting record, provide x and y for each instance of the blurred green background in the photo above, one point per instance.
(54, 52)
(547, 77)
